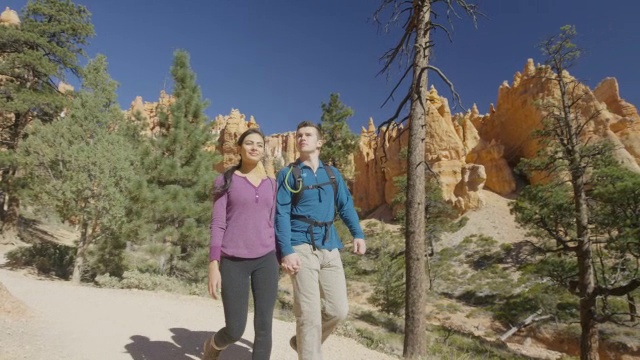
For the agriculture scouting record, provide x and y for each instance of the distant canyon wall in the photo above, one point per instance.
(468, 151)
(519, 113)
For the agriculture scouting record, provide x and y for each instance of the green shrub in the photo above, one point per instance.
(377, 340)
(108, 281)
(389, 288)
(153, 282)
(47, 257)
(451, 344)
(391, 323)
(385, 258)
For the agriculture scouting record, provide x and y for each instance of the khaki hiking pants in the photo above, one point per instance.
(319, 299)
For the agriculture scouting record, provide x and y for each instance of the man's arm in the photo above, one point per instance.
(290, 260)
(348, 214)
(283, 215)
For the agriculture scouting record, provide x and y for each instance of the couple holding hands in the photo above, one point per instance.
(256, 217)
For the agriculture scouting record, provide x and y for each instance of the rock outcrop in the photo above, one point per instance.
(468, 151)
(381, 159)
(229, 128)
(490, 154)
(9, 18)
(369, 184)
(280, 149)
(225, 131)
(148, 111)
(520, 111)
(624, 121)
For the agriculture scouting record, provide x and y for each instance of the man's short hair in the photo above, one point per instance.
(307, 123)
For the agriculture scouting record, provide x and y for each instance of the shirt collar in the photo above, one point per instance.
(302, 165)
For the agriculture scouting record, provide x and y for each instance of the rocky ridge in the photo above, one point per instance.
(469, 151)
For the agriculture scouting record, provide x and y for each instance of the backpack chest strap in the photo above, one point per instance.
(314, 223)
(317, 186)
(298, 187)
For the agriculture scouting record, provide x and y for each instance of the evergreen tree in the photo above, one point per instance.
(339, 142)
(576, 214)
(616, 216)
(34, 56)
(176, 199)
(80, 165)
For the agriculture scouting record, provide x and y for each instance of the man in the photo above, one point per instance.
(309, 194)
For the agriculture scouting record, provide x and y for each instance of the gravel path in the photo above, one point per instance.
(63, 321)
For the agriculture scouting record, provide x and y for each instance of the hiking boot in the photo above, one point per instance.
(210, 352)
(293, 343)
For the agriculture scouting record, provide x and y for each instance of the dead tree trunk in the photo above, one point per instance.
(528, 321)
(415, 344)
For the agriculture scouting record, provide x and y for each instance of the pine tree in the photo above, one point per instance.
(34, 55)
(579, 213)
(339, 142)
(80, 165)
(616, 214)
(176, 199)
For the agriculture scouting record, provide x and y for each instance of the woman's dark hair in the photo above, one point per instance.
(229, 172)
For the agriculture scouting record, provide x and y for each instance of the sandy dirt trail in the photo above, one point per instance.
(63, 321)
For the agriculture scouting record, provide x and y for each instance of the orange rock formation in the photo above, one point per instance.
(519, 113)
(450, 141)
(467, 151)
(9, 17)
(148, 111)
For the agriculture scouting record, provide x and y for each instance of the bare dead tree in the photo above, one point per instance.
(413, 53)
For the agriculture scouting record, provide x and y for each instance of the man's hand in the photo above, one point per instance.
(291, 263)
(359, 246)
(215, 279)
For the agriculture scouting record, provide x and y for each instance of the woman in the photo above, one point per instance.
(242, 253)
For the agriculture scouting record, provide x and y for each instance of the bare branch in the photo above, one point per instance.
(397, 113)
(444, 78)
(409, 68)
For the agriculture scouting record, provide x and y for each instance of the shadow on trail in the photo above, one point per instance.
(186, 345)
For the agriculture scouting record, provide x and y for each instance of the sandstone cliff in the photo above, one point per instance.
(148, 111)
(468, 151)
(518, 113)
(225, 131)
(452, 141)
(9, 17)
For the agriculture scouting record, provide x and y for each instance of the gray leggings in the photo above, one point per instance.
(261, 274)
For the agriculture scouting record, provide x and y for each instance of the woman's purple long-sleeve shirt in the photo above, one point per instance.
(242, 220)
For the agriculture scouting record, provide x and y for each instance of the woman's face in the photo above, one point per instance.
(252, 148)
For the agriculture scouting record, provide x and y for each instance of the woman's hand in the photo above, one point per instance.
(291, 264)
(215, 279)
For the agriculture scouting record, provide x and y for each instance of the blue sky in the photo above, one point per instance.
(278, 60)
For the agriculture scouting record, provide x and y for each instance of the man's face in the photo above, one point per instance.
(307, 140)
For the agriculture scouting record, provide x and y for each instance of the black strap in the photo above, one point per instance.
(333, 181)
(313, 223)
(297, 176)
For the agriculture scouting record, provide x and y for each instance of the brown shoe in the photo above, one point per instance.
(210, 352)
(293, 343)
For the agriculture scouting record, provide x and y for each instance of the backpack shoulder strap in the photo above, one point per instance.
(294, 168)
(334, 182)
(296, 172)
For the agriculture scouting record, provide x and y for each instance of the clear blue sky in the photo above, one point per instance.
(278, 60)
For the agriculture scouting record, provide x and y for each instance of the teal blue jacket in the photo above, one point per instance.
(319, 203)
